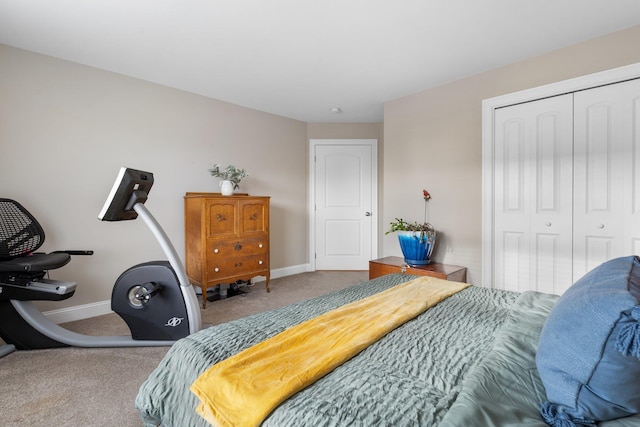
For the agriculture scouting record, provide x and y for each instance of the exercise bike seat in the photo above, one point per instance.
(20, 236)
(35, 262)
(22, 270)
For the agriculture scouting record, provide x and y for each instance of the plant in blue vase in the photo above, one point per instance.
(417, 240)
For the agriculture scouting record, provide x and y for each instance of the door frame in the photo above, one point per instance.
(313, 143)
(615, 75)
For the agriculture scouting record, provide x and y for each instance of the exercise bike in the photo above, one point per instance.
(155, 299)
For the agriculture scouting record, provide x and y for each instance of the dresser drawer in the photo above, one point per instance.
(226, 248)
(219, 268)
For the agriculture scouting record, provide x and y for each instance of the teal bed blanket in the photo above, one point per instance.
(468, 361)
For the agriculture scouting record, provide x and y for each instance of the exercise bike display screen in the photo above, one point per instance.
(132, 186)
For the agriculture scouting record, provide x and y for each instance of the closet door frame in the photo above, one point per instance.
(489, 106)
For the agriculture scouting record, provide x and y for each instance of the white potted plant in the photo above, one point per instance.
(230, 178)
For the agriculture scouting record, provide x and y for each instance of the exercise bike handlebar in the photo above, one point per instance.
(74, 252)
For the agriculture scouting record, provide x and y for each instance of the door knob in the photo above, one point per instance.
(367, 214)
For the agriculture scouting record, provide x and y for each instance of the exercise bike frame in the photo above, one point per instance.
(39, 322)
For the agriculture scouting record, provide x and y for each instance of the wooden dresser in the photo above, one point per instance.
(227, 239)
(394, 264)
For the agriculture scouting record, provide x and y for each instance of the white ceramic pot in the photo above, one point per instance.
(226, 188)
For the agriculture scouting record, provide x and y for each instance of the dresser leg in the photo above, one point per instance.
(204, 296)
(266, 285)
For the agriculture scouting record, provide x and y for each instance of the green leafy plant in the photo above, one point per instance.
(425, 228)
(399, 224)
(230, 173)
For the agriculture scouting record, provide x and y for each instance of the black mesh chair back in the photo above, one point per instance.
(20, 232)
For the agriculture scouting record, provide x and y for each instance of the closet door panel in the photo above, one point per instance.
(605, 174)
(632, 204)
(597, 250)
(512, 207)
(533, 171)
(514, 267)
(551, 221)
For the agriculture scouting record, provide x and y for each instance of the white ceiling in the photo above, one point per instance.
(300, 58)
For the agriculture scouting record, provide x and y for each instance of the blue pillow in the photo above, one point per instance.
(589, 351)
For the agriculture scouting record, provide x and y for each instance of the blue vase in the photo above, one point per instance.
(416, 249)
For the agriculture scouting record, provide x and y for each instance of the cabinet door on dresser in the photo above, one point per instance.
(254, 217)
(221, 218)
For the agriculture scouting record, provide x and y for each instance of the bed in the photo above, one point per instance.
(467, 361)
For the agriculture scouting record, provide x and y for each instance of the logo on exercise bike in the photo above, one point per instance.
(174, 321)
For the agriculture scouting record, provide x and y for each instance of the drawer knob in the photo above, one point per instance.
(216, 270)
(237, 246)
(260, 262)
(600, 226)
(216, 250)
(260, 245)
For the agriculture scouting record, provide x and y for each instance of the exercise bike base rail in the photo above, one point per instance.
(42, 324)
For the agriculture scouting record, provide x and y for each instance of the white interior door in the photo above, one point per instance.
(344, 192)
(607, 185)
(533, 195)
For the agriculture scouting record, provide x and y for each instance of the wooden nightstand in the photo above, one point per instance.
(393, 264)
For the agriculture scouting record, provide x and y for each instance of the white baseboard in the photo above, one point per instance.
(290, 271)
(85, 311)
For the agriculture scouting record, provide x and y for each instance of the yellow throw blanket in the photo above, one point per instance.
(243, 389)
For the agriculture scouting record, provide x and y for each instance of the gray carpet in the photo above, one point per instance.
(97, 387)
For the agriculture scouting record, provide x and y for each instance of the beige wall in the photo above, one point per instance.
(345, 131)
(433, 140)
(66, 129)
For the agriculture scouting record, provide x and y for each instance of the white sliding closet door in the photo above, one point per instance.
(607, 181)
(561, 160)
(533, 195)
